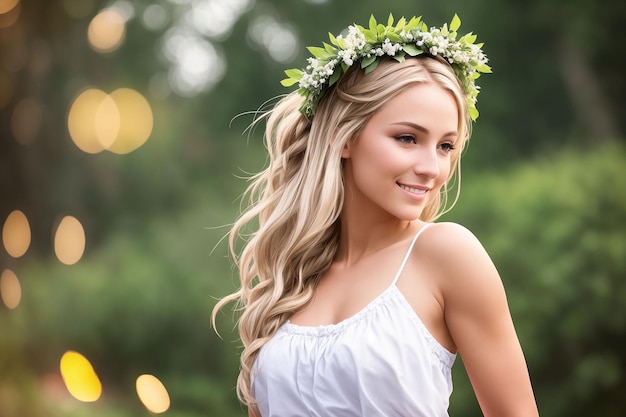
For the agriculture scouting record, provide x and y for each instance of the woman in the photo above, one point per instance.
(354, 303)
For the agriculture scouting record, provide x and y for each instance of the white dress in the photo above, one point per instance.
(380, 362)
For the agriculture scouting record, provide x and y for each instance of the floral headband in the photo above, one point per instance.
(366, 46)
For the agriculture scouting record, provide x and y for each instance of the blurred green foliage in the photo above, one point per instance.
(555, 229)
(543, 189)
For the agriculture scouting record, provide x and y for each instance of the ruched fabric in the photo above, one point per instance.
(380, 362)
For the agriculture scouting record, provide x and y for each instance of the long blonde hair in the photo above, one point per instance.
(297, 199)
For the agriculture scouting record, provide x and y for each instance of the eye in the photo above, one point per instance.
(447, 147)
(406, 139)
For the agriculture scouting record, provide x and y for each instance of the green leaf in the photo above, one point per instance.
(414, 23)
(288, 82)
(469, 38)
(338, 43)
(330, 49)
(455, 24)
(412, 49)
(401, 24)
(473, 113)
(399, 56)
(371, 67)
(367, 61)
(381, 29)
(393, 37)
(371, 37)
(318, 52)
(390, 20)
(294, 73)
(335, 77)
(372, 23)
(484, 69)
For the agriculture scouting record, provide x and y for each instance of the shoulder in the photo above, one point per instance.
(456, 257)
(446, 238)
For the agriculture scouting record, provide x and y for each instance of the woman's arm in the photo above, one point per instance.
(479, 321)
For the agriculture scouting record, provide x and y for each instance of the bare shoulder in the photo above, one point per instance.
(478, 319)
(449, 233)
(457, 257)
(446, 239)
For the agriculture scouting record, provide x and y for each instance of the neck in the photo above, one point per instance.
(364, 233)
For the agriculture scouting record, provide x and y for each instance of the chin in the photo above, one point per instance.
(409, 216)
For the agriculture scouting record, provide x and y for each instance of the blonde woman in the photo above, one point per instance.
(354, 302)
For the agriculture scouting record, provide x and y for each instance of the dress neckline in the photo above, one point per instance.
(335, 327)
(391, 294)
(327, 329)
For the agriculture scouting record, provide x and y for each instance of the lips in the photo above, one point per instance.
(414, 189)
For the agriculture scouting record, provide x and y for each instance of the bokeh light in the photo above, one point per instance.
(279, 40)
(107, 122)
(7, 5)
(154, 17)
(136, 121)
(10, 289)
(196, 65)
(215, 18)
(16, 234)
(106, 31)
(26, 120)
(119, 122)
(69, 241)
(80, 378)
(81, 120)
(152, 394)
(11, 13)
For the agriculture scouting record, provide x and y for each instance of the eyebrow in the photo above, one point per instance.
(423, 129)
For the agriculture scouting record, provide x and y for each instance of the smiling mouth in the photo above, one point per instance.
(412, 190)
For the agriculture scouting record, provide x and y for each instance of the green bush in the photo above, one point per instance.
(556, 231)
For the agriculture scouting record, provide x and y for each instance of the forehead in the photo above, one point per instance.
(425, 104)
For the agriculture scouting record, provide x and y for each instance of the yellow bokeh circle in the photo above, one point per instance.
(152, 393)
(119, 122)
(136, 121)
(16, 234)
(10, 289)
(80, 378)
(7, 5)
(106, 31)
(69, 240)
(81, 120)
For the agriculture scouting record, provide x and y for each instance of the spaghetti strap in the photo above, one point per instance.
(408, 253)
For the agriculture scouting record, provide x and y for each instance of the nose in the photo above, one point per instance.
(427, 162)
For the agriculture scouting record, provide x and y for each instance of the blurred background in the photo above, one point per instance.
(122, 153)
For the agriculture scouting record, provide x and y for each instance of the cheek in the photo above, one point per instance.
(379, 158)
(445, 170)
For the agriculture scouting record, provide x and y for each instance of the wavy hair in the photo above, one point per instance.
(295, 202)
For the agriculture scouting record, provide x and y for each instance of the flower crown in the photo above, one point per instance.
(366, 46)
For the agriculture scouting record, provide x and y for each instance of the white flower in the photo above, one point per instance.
(347, 56)
(355, 39)
(390, 48)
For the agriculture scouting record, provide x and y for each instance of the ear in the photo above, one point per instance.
(347, 150)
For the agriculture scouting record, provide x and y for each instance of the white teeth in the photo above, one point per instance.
(412, 190)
